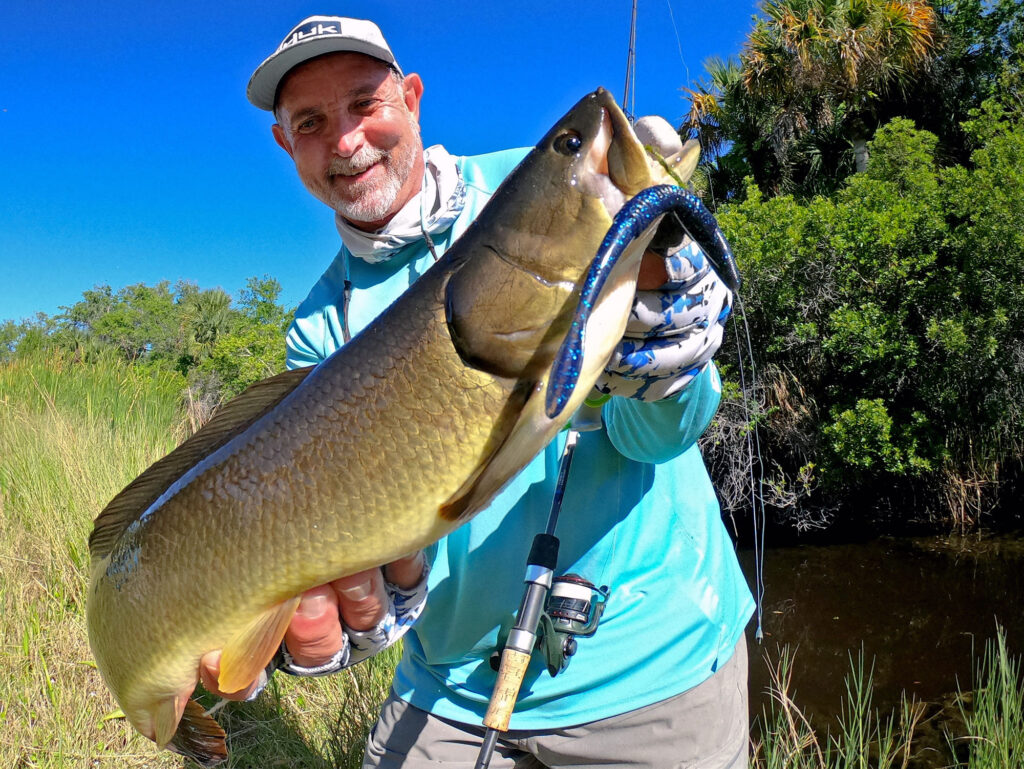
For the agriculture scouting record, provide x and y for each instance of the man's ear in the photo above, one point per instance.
(281, 139)
(412, 92)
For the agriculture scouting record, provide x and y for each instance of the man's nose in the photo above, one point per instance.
(348, 140)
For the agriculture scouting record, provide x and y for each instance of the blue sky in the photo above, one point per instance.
(128, 152)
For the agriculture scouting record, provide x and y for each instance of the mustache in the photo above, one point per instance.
(359, 162)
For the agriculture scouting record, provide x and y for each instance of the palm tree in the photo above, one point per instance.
(708, 118)
(812, 58)
(206, 317)
(730, 125)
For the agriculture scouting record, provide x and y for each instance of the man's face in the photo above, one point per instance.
(351, 128)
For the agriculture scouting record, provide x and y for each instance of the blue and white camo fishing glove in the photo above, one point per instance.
(673, 332)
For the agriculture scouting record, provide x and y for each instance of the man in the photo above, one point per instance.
(663, 681)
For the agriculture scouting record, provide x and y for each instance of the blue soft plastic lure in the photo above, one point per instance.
(634, 217)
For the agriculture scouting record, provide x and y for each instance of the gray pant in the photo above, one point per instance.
(703, 728)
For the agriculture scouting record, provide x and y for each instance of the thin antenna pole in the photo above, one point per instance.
(629, 91)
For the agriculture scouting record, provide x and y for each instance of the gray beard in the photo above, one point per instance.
(375, 202)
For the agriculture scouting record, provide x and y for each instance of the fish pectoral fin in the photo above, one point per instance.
(199, 737)
(248, 653)
(500, 316)
(166, 717)
(233, 418)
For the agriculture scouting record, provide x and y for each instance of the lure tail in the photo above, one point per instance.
(631, 220)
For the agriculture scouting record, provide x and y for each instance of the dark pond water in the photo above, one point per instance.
(921, 609)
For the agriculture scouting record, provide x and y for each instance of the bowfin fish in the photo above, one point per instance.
(401, 435)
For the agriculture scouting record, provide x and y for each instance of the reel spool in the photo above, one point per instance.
(574, 608)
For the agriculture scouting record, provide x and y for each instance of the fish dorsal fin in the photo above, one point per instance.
(233, 418)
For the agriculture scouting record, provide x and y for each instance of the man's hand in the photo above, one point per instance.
(316, 635)
(653, 274)
(675, 327)
(680, 308)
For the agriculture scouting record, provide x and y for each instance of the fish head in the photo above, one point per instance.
(600, 156)
(566, 191)
(517, 277)
(510, 299)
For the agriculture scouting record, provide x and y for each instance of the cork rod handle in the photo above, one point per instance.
(506, 689)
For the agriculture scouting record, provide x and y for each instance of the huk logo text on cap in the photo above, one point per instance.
(310, 30)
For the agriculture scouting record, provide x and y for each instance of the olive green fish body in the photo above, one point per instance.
(333, 481)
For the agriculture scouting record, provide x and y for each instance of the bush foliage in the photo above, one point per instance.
(888, 320)
(221, 348)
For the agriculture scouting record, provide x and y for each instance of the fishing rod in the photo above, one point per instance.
(553, 611)
(628, 96)
(541, 563)
(515, 657)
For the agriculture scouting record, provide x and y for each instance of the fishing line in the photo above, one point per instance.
(753, 441)
(679, 43)
(755, 463)
(520, 644)
(753, 438)
(629, 90)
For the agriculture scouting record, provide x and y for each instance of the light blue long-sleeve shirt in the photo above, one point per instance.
(639, 515)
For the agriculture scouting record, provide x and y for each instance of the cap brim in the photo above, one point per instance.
(263, 84)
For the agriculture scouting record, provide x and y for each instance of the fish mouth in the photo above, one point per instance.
(596, 179)
(617, 166)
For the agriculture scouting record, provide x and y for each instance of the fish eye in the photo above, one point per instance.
(568, 143)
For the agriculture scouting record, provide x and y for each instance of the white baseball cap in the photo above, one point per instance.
(314, 37)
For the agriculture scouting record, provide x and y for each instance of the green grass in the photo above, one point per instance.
(864, 738)
(995, 722)
(71, 436)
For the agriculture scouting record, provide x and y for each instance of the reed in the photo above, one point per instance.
(863, 739)
(994, 715)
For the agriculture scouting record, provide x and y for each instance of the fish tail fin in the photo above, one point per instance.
(199, 737)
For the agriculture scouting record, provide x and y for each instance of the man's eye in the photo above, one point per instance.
(306, 125)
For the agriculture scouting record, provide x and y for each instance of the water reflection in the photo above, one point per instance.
(922, 609)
